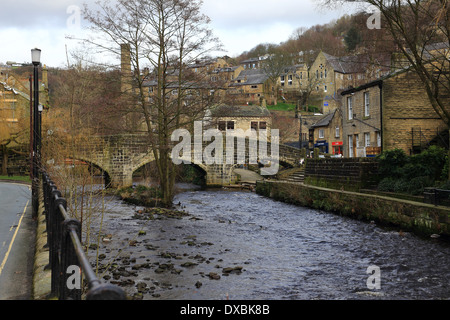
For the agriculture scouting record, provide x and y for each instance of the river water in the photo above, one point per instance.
(272, 250)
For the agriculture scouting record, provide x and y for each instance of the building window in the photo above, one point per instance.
(282, 78)
(317, 74)
(254, 125)
(325, 73)
(366, 104)
(350, 108)
(350, 146)
(378, 139)
(367, 139)
(222, 125)
(321, 133)
(325, 88)
(290, 80)
(230, 125)
(262, 125)
(357, 140)
(337, 135)
(254, 87)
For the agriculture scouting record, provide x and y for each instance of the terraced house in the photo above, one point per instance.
(250, 87)
(294, 80)
(330, 75)
(391, 112)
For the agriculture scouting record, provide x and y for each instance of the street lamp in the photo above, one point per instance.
(36, 60)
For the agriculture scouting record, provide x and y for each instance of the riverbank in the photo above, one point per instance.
(226, 244)
(420, 218)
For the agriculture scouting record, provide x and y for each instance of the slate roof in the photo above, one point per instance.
(325, 121)
(347, 64)
(225, 110)
(249, 77)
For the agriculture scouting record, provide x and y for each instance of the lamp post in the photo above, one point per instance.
(36, 60)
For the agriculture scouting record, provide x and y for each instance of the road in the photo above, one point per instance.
(17, 235)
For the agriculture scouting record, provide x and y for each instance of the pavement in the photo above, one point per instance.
(248, 176)
(17, 242)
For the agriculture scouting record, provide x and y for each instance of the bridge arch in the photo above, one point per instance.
(106, 175)
(121, 155)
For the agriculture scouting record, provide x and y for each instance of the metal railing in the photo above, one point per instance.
(438, 197)
(66, 250)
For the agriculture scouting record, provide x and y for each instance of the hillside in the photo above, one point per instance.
(344, 36)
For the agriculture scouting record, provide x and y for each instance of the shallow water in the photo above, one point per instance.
(285, 251)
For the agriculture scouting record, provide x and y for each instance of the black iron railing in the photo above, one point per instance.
(438, 197)
(66, 256)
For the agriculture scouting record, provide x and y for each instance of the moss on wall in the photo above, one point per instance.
(407, 215)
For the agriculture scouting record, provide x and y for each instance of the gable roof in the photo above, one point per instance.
(347, 64)
(225, 110)
(249, 77)
(325, 121)
(357, 63)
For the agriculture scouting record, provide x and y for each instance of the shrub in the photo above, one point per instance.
(411, 174)
(387, 184)
(416, 185)
(430, 162)
(391, 163)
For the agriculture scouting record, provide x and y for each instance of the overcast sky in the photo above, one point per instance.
(239, 24)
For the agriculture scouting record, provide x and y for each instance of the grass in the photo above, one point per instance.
(16, 178)
(282, 107)
(290, 107)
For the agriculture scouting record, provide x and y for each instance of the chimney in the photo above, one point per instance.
(45, 76)
(125, 67)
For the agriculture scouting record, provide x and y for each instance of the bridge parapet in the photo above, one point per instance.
(121, 155)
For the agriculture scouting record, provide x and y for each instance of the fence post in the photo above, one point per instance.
(69, 258)
(65, 250)
(52, 238)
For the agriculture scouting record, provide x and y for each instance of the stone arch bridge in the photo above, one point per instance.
(121, 155)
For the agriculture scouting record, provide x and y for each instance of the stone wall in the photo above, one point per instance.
(420, 218)
(18, 165)
(406, 107)
(342, 173)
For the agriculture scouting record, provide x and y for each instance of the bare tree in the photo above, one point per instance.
(274, 66)
(164, 36)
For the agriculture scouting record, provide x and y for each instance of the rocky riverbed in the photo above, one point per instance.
(153, 252)
(223, 244)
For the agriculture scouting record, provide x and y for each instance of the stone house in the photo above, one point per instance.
(391, 112)
(250, 87)
(14, 104)
(229, 118)
(225, 75)
(326, 133)
(254, 63)
(207, 66)
(330, 75)
(362, 120)
(293, 80)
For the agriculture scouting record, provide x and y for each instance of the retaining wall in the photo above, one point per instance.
(342, 173)
(420, 218)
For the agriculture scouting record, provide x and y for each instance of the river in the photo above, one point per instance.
(239, 245)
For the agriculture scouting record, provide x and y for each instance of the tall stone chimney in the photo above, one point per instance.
(125, 68)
